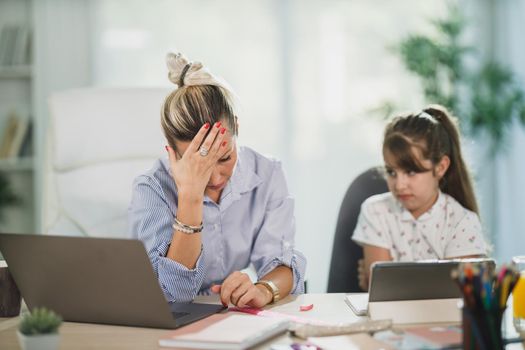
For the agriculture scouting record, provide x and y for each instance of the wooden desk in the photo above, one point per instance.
(327, 307)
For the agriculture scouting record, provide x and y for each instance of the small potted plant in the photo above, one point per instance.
(39, 330)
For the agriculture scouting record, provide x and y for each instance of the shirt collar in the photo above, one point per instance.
(407, 215)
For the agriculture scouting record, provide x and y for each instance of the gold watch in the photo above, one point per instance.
(272, 288)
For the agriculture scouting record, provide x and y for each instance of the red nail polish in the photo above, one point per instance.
(223, 131)
(224, 143)
(206, 126)
(218, 124)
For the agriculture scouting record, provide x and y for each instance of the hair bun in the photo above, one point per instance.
(183, 72)
(176, 64)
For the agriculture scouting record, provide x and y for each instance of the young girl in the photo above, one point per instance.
(430, 211)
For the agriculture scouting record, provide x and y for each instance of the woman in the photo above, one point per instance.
(212, 207)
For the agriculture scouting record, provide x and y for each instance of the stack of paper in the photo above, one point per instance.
(225, 331)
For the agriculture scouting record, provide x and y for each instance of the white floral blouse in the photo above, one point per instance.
(446, 230)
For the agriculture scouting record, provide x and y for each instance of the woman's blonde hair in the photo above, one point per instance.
(200, 97)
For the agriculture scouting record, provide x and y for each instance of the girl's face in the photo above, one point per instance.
(416, 191)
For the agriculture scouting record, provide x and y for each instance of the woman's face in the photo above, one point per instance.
(223, 169)
(416, 191)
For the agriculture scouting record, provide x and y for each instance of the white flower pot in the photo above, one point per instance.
(39, 341)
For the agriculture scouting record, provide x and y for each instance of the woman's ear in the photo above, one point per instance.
(442, 166)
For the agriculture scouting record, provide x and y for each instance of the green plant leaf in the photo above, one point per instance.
(491, 99)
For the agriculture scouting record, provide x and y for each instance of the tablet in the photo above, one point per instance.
(422, 280)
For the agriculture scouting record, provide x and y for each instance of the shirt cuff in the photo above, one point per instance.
(179, 283)
(294, 260)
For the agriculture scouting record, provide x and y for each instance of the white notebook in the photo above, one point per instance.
(358, 302)
(225, 331)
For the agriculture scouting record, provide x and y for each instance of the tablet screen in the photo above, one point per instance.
(415, 280)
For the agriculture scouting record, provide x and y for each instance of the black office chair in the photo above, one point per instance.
(345, 252)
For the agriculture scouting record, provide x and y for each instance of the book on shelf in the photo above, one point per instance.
(7, 44)
(17, 131)
(15, 45)
(18, 138)
(20, 55)
(9, 133)
(26, 148)
(225, 331)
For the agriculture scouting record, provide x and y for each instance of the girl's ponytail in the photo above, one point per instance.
(457, 181)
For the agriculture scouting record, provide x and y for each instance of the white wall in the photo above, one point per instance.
(16, 97)
(308, 75)
(61, 61)
(502, 187)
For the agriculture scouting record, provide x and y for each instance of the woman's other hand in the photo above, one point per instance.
(191, 171)
(239, 290)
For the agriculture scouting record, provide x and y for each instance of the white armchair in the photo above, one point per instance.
(98, 141)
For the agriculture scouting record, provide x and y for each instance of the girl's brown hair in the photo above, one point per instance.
(199, 98)
(434, 131)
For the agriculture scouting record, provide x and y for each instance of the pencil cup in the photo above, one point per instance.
(9, 294)
(482, 329)
(518, 295)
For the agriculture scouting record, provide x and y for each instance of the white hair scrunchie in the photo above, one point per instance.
(183, 72)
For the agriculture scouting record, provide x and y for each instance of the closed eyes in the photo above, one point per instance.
(224, 160)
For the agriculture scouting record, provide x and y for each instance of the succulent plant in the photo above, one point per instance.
(40, 321)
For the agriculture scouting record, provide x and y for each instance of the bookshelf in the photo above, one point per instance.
(17, 164)
(16, 112)
(16, 72)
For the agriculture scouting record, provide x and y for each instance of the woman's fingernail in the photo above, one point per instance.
(224, 304)
(206, 126)
(218, 124)
(224, 143)
(223, 131)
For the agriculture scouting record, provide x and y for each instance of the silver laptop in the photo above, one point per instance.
(94, 280)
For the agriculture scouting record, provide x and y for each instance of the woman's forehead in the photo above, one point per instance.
(182, 146)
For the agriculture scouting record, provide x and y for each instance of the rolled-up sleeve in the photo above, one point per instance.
(274, 245)
(150, 220)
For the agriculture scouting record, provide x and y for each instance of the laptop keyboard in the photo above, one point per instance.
(178, 314)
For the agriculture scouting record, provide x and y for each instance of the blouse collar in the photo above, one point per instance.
(406, 215)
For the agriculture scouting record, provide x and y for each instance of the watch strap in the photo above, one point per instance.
(272, 288)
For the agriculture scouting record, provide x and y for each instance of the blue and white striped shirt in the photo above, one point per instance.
(253, 223)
